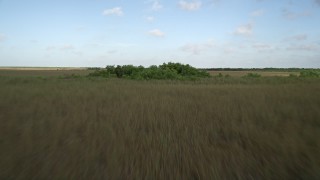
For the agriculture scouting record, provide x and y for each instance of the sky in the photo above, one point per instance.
(202, 33)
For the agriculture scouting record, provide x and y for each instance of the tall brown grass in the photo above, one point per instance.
(121, 129)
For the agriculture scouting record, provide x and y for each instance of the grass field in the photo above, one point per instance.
(42, 72)
(219, 128)
(262, 73)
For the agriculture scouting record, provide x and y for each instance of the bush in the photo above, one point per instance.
(184, 70)
(100, 73)
(119, 71)
(310, 74)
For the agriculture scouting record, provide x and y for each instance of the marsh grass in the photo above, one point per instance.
(222, 128)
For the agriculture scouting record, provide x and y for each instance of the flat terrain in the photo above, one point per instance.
(42, 68)
(41, 72)
(262, 73)
(69, 127)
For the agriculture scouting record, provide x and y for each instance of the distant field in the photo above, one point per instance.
(218, 128)
(262, 73)
(42, 68)
(51, 71)
(42, 71)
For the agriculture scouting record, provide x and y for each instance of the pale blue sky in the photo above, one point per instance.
(202, 33)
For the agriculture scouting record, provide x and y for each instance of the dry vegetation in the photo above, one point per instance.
(42, 72)
(262, 73)
(123, 129)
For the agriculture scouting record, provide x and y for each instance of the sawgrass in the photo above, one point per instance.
(221, 128)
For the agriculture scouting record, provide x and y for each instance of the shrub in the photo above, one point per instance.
(184, 70)
(100, 73)
(310, 74)
(119, 71)
(164, 71)
(110, 69)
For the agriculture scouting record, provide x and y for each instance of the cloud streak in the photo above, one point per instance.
(156, 33)
(190, 6)
(150, 18)
(261, 46)
(156, 5)
(197, 48)
(67, 47)
(117, 11)
(244, 30)
(290, 15)
(298, 37)
(306, 47)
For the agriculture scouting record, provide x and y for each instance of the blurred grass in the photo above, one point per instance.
(261, 72)
(42, 73)
(221, 128)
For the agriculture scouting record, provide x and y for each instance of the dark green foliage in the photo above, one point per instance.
(164, 71)
(310, 74)
(119, 71)
(93, 68)
(110, 69)
(157, 73)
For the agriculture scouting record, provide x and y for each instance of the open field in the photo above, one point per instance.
(262, 73)
(95, 128)
(42, 68)
(7, 71)
(42, 72)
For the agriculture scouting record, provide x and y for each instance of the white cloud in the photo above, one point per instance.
(261, 46)
(114, 11)
(257, 13)
(298, 37)
(157, 33)
(156, 5)
(190, 6)
(67, 47)
(197, 48)
(2, 37)
(244, 30)
(306, 47)
(150, 18)
(290, 15)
